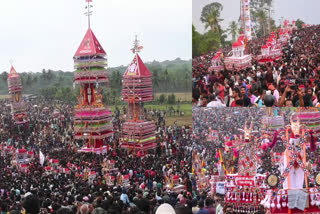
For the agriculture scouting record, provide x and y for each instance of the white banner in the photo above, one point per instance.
(41, 157)
(220, 187)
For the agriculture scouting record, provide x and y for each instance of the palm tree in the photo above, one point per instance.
(262, 18)
(211, 16)
(233, 29)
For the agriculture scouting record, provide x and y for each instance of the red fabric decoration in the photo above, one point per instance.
(274, 141)
(312, 142)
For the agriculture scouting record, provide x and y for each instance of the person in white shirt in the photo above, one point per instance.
(215, 102)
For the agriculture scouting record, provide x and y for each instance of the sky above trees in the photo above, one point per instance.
(46, 34)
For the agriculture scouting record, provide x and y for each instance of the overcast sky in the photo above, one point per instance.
(306, 10)
(39, 34)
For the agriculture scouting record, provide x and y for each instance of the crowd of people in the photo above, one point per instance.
(223, 123)
(40, 191)
(291, 81)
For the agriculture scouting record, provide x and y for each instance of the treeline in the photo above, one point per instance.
(168, 76)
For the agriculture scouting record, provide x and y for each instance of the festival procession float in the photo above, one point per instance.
(108, 171)
(137, 135)
(206, 177)
(239, 60)
(271, 51)
(18, 107)
(217, 62)
(200, 173)
(244, 187)
(294, 185)
(285, 31)
(92, 120)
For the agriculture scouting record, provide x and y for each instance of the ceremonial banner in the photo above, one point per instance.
(244, 180)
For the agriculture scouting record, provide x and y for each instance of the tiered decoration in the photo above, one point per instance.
(216, 62)
(284, 34)
(137, 134)
(246, 189)
(92, 121)
(238, 60)
(290, 191)
(247, 153)
(245, 18)
(18, 108)
(271, 51)
(289, 26)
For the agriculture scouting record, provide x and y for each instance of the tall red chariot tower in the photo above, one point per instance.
(138, 135)
(18, 108)
(92, 120)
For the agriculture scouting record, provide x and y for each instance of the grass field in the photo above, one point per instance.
(183, 96)
(181, 121)
(186, 108)
(4, 96)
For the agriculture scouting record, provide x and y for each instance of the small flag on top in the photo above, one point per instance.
(88, 0)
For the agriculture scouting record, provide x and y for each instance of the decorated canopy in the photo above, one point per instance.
(137, 82)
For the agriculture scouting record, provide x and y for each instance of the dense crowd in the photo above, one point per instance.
(39, 191)
(293, 80)
(227, 122)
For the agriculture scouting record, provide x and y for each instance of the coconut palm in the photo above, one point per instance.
(262, 19)
(211, 16)
(233, 30)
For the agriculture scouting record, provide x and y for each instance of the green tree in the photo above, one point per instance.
(29, 80)
(233, 30)
(210, 16)
(4, 76)
(260, 12)
(196, 37)
(299, 23)
(162, 98)
(262, 19)
(166, 79)
(210, 41)
(155, 80)
(172, 99)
